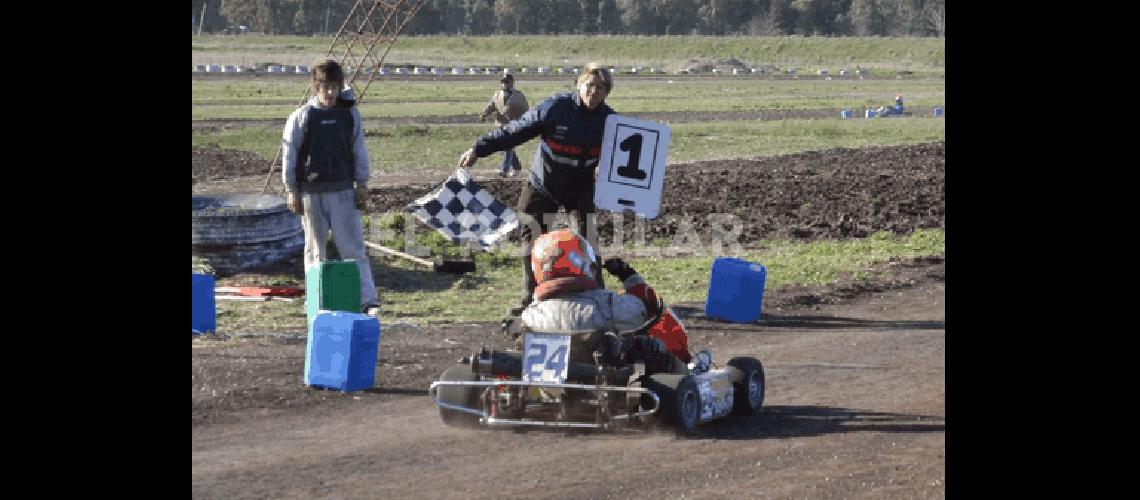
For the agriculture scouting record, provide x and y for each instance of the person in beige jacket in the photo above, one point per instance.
(506, 104)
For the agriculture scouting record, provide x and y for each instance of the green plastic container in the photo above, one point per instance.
(332, 286)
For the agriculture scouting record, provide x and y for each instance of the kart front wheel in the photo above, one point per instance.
(748, 394)
(680, 399)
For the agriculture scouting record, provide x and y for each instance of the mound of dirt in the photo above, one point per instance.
(837, 193)
(213, 163)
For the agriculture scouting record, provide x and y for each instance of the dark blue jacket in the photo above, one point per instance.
(570, 146)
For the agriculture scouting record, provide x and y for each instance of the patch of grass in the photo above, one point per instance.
(220, 99)
(734, 139)
(437, 147)
(790, 262)
(413, 293)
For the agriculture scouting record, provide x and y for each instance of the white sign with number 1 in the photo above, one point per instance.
(631, 169)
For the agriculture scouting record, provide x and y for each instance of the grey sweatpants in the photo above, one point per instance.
(336, 210)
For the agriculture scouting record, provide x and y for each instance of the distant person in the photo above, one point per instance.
(507, 104)
(571, 126)
(325, 170)
(896, 110)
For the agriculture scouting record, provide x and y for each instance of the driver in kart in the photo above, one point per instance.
(568, 299)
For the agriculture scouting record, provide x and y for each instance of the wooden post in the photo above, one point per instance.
(202, 18)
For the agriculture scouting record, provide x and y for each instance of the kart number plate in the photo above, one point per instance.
(546, 357)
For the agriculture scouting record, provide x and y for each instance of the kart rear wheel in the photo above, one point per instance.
(748, 394)
(680, 399)
(459, 395)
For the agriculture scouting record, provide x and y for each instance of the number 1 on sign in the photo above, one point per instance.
(632, 145)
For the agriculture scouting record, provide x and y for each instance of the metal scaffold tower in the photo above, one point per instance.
(360, 46)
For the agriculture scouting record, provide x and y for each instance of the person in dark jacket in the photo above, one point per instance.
(571, 126)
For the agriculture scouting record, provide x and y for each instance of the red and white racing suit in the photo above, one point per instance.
(598, 309)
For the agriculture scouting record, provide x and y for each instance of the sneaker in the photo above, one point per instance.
(514, 173)
(372, 310)
(503, 173)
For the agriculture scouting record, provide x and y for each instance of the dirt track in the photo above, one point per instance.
(856, 372)
(855, 409)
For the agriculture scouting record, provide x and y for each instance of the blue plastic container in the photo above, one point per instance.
(847, 113)
(937, 112)
(341, 351)
(202, 304)
(871, 113)
(736, 290)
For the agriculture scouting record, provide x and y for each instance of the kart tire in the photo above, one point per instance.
(748, 394)
(459, 395)
(680, 399)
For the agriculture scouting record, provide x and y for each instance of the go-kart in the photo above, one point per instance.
(888, 111)
(600, 380)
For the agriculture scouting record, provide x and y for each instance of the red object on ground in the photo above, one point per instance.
(278, 291)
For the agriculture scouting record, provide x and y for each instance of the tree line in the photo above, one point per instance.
(595, 17)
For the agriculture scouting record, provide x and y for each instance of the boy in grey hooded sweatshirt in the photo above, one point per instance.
(325, 171)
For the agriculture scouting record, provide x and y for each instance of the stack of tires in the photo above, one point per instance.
(234, 233)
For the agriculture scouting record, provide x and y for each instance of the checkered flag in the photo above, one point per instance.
(463, 211)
